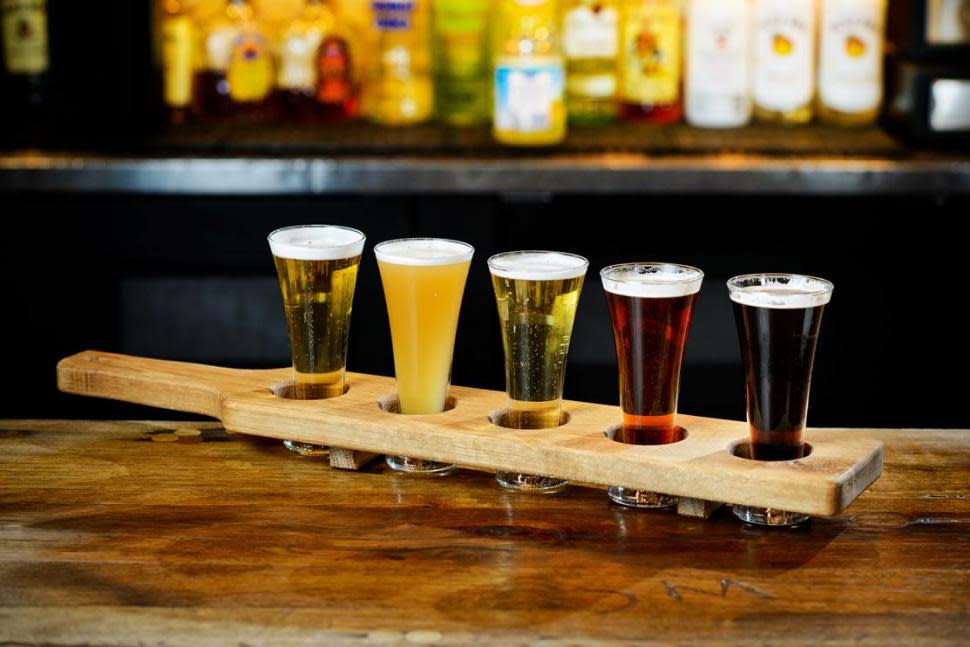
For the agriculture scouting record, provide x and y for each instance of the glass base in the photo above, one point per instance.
(306, 449)
(769, 516)
(530, 483)
(419, 466)
(640, 498)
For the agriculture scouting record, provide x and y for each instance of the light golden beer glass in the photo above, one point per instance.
(317, 269)
(537, 293)
(424, 279)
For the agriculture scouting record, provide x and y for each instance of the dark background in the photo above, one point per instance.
(192, 279)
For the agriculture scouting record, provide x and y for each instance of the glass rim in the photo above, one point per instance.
(351, 247)
(691, 275)
(551, 274)
(667, 281)
(797, 297)
(395, 259)
(272, 235)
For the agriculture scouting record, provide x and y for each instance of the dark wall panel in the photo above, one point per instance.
(192, 278)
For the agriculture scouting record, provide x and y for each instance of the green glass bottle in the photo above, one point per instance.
(590, 39)
(461, 61)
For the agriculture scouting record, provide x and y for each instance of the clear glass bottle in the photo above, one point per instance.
(461, 61)
(784, 64)
(401, 90)
(850, 77)
(590, 37)
(651, 44)
(529, 107)
(179, 50)
(251, 73)
(718, 79)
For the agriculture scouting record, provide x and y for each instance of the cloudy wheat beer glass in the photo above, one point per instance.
(537, 294)
(651, 306)
(424, 279)
(778, 318)
(317, 268)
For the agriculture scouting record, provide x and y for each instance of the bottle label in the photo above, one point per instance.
(651, 54)
(590, 31)
(298, 54)
(592, 86)
(250, 73)
(528, 95)
(393, 16)
(335, 84)
(178, 47)
(784, 54)
(850, 73)
(717, 60)
(25, 36)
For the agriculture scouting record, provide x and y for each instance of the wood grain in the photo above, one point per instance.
(109, 538)
(702, 466)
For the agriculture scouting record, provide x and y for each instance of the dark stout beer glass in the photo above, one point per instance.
(651, 306)
(778, 318)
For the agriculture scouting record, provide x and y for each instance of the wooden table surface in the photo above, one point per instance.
(110, 538)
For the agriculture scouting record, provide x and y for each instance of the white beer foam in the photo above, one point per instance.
(424, 251)
(316, 243)
(652, 280)
(782, 292)
(538, 266)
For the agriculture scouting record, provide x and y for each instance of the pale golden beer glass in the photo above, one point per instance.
(424, 280)
(317, 268)
(536, 293)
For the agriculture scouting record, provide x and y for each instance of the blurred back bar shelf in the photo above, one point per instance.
(359, 157)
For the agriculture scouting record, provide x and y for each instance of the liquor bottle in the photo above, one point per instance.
(461, 61)
(26, 66)
(784, 66)
(179, 50)
(298, 45)
(718, 80)
(590, 40)
(850, 81)
(401, 90)
(651, 36)
(220, 31)
(529, 108)
(357, 18)
(338, 90)
(251, 73)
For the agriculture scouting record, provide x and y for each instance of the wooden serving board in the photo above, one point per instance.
(842, 464)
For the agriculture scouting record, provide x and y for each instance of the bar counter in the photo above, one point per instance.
(126, 533)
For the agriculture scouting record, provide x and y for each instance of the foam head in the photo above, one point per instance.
(538, 266)
(316, 242)
(424, 251)
(781, 291)
(652, 280)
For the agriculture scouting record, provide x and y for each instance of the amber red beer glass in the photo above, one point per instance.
(778, 318)
(651, 307)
